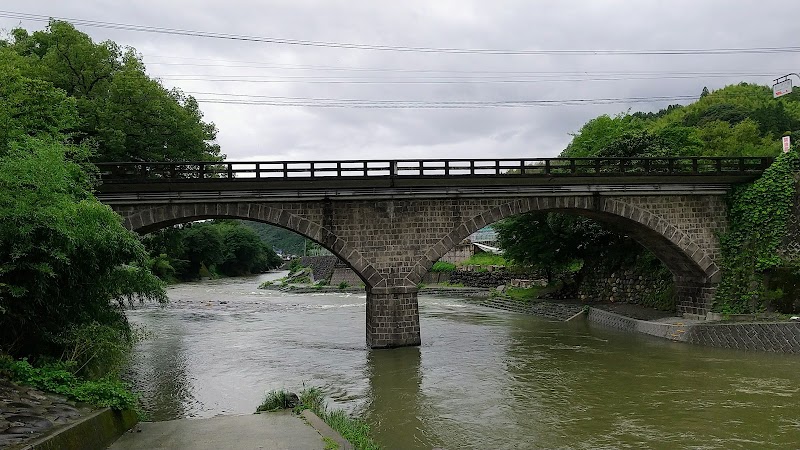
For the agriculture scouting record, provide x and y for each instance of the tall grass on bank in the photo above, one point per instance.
(356, 431)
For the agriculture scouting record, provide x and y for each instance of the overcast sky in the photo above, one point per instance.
(261, 72)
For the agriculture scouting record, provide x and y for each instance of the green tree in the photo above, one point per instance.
(65, 259)
(244, 252)
(599, 132)
(552, 242)
(123, 113)
(29, 107)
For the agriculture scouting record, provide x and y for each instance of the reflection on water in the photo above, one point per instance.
(481, 379)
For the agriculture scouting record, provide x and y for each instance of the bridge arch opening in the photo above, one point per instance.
(157, 218)
(693, 268)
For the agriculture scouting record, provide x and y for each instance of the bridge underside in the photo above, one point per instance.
(391, 243)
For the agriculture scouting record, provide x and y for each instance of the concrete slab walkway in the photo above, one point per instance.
(272, 431)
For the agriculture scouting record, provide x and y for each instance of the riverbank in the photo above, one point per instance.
(31, 418)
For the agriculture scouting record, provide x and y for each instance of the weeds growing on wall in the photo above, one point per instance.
(60, 378)
(758, 215)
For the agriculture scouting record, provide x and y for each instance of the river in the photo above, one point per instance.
(481, 379)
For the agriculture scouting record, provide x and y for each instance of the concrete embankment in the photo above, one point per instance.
(776, 337)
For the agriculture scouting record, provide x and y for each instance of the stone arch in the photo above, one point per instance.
(146, 220)
(683, 257)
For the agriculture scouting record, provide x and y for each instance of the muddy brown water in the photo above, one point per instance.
(481, 379)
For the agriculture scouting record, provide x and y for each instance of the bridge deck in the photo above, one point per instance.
(175, 181)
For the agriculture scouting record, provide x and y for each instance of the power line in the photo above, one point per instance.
(391, 48)
(324, 102)
(261, 65)
(425, 80)
(426, 104)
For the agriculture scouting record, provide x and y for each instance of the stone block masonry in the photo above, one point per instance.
(392, 318)
(391, 244)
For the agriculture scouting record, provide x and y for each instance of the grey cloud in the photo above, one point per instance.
(268, 132)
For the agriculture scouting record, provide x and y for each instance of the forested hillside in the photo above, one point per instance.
(280, 239)
(739, 120)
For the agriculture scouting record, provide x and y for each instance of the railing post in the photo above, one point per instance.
(472, 167)
(547, 166)
(230, 171)
(719, 165)
(258, 170)
(671, 165)
(312, 169)
(572, 167)
(597, 165)
(522, 167)
(694, 166)
(447, 168)
(338, 168)
(285, 170)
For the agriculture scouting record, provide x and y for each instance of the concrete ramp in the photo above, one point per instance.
(272, 431)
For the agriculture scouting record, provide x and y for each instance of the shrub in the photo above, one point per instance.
(295, 266)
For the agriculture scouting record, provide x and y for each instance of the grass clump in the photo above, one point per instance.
(524, 295)
(278, 400)
(442, 266)
(485, 259)
(344, 285)
(330, 444)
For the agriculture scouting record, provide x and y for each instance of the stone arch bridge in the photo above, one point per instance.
(391, 220)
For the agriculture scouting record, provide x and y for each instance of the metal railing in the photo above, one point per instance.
(527, 167)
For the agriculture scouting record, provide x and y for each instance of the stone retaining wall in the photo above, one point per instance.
(322, 266)
(345, 275)
(548, 310)
(641, 283)
(481, 279)
(775, 337)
